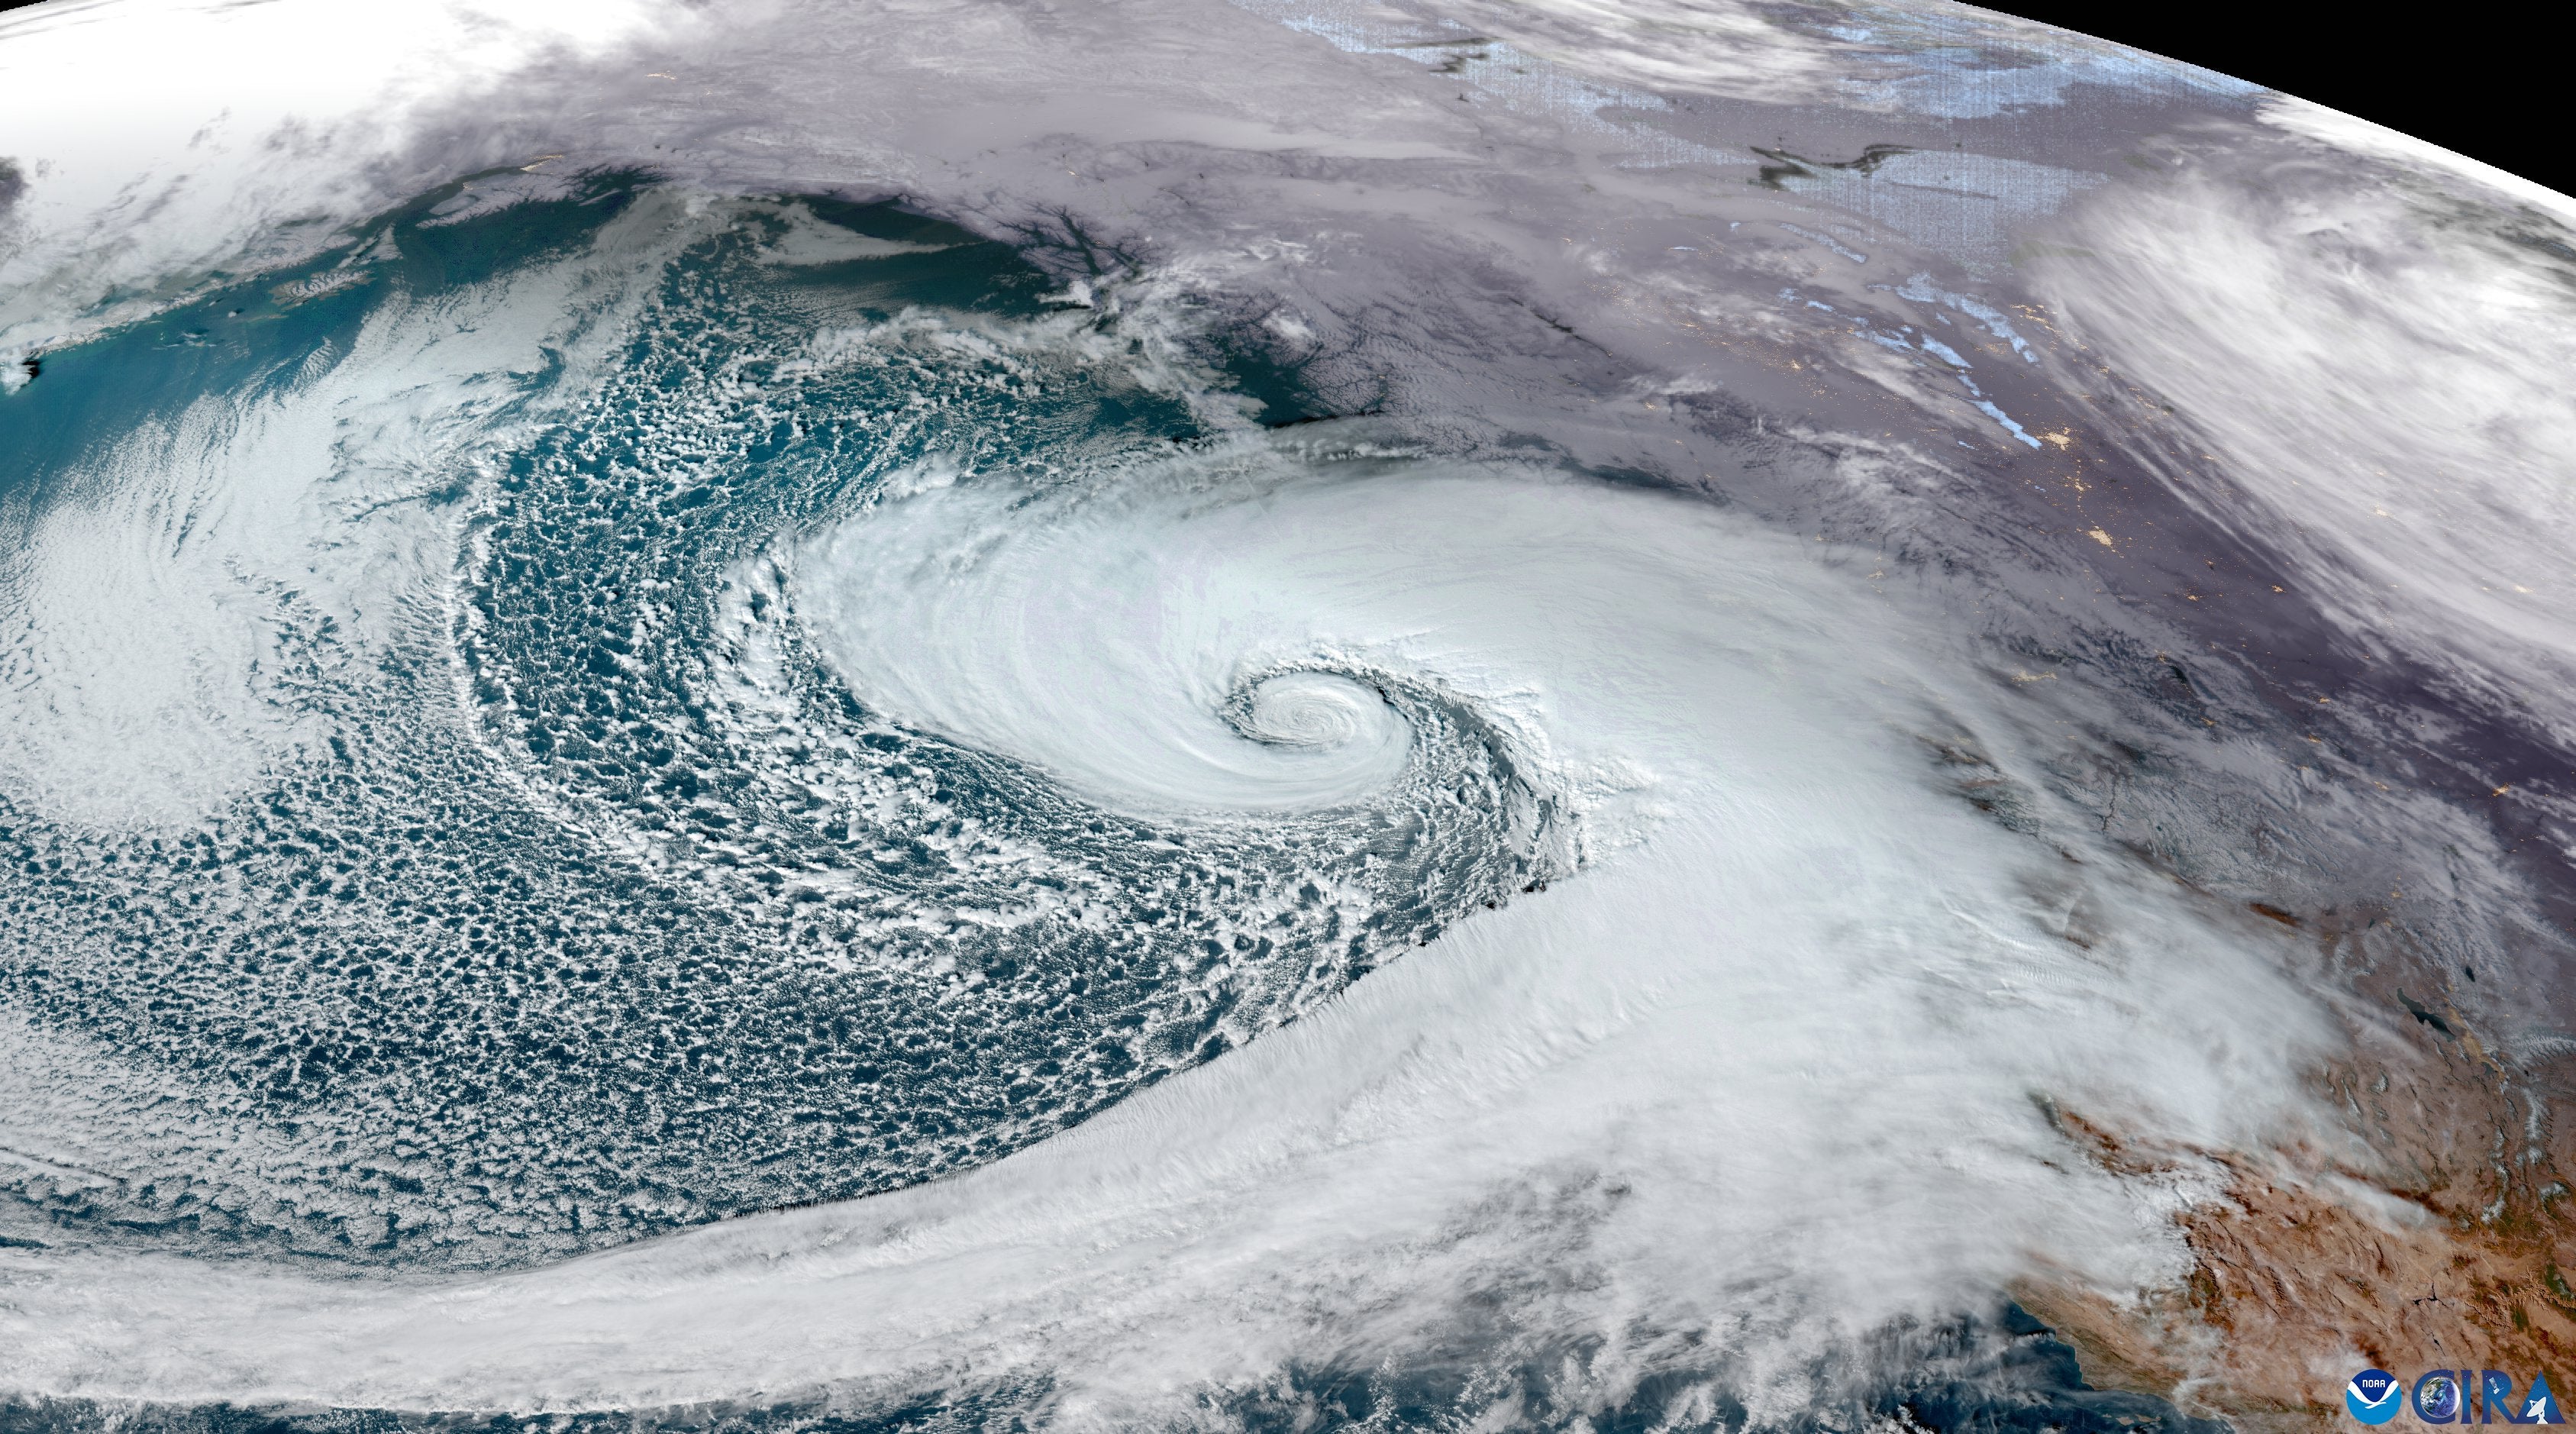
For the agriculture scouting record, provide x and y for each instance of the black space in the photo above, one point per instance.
(2467, 82)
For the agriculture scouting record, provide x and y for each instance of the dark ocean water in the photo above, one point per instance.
(632, 917)
(555, 944)
(572, 895)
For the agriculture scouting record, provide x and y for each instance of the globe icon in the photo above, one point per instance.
(2437, 1398)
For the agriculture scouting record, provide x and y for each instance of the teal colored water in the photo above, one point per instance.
(630, 916)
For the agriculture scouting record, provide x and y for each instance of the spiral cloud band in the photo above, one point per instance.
(1240, 716)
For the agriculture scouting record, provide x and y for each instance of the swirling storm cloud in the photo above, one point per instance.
(1217, 715)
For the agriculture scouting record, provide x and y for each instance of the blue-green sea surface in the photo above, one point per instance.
(584, 903)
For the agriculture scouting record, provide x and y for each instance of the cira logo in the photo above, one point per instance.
(2451, 1396)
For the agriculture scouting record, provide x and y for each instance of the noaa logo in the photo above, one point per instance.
(2374, 1396)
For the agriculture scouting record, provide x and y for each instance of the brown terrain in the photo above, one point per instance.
(2434, 1240)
